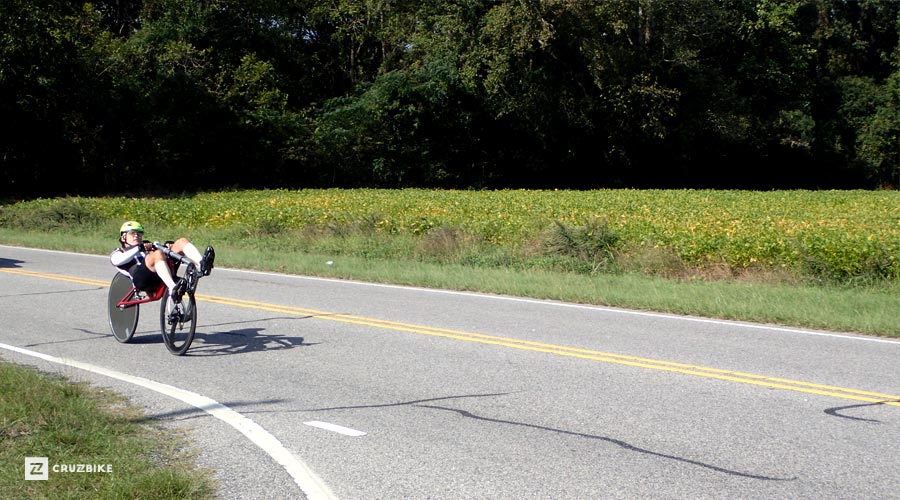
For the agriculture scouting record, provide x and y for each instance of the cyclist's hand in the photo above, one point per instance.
(148, 246)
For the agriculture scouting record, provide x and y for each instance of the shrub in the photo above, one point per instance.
(594, 243)
(50, 214)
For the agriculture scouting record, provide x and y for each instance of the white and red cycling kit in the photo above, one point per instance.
(130, 262)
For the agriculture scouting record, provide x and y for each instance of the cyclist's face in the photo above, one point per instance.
(133, 238)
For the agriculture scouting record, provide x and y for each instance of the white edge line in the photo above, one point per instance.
(613, 310)
(335, 428)
(313, 486)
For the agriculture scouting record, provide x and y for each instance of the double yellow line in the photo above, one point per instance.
(573, 352)
(57, 277)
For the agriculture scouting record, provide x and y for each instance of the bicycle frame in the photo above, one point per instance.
(128, 300)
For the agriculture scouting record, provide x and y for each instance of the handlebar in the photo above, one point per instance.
(170, 254)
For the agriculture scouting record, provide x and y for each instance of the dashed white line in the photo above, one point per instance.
(335, 428)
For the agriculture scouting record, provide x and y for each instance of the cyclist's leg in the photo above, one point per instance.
(203, 263)
(186, 248)
(156, 260)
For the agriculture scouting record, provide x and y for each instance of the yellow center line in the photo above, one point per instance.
(559, 350)
(58, 277)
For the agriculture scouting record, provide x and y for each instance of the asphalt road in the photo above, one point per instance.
(335, 389)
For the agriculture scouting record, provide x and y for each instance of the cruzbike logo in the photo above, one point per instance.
(107, 468)
(36, 469)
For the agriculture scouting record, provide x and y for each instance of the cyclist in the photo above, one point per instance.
(147, 266)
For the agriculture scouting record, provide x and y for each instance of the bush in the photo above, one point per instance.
(51, 214)
(593, 243)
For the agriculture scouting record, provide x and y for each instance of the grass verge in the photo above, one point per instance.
(861, 309)
(73, 423)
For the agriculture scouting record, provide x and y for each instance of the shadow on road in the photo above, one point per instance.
(194, 412)
(243, 340)
(10, 262)
(92, 289)
(416, 402)
(835, 412)
(614, 441)
(617, 442)
(206, 343)
(91, 336)
(225, 343)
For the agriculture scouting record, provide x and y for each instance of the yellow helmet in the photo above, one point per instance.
(131, 226)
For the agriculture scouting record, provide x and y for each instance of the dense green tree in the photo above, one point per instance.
(197, 106)
(106, 95)
(52, 103)
(863, 55)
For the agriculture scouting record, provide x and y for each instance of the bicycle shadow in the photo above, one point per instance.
(4, 262)
(242, 340)
(221, 343)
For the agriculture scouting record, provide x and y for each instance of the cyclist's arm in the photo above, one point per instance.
(119, 257)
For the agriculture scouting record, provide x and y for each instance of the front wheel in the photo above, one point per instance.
(122, 320)
(178, 321)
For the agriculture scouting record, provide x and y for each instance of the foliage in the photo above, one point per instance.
(54, 214)
(878, 128)
(593, 242)
(167, 96)
(399, 131)
(831, 235)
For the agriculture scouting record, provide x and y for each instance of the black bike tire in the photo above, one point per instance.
(122, 321)
(174, 346)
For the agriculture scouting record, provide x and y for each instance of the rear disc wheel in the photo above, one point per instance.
(122, 320)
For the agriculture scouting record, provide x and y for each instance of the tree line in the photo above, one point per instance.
(111, 96)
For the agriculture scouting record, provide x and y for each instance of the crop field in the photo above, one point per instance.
(836, 234)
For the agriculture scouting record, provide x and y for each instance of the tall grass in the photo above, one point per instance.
(46, 416)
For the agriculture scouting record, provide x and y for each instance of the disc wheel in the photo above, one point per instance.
(178, 321)
(122, 320)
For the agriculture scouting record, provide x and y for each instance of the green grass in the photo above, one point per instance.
(69, 423)
(814, 259)
(856, 309)
(394, 259)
